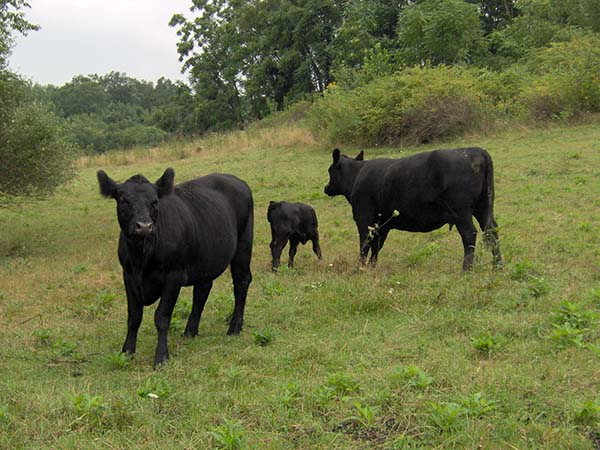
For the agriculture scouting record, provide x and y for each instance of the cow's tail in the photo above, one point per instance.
(272, 206)
(488, 190)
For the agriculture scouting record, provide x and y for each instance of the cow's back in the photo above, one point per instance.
(201, 222)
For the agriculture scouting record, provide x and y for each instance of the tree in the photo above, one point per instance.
(12, 19)
(35, 154)
(245, 56)
(440, 32)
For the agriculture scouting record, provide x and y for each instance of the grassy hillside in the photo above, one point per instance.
(411, 354)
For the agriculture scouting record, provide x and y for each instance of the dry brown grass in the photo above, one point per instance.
(248, 140)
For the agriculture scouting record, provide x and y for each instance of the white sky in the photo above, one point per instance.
(80, 37)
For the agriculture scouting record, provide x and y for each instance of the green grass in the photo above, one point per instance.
(412, 354)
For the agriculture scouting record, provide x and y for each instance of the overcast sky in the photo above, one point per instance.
(80, 37)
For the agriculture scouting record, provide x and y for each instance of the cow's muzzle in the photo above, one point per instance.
(143, 228)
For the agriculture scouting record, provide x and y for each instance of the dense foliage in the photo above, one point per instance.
(247, 59)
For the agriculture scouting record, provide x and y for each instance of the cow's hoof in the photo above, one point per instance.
(189, 334)
(234, 330)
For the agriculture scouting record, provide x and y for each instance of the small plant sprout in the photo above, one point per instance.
(487, 344)
(364, 415)
(119, 360)
(42, 336)
(476, 405)
(291, 393)
(263, 337)
(414, 377)
(571, 324)
(155, 388)
(229, 436)
(90, 407)
(342, 384)
(446, 415)
(588, 414)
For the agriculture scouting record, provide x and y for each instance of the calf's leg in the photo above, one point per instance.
(293, 248)
(277, 245)
(201, 291)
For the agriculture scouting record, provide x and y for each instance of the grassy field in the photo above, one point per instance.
(412, 354)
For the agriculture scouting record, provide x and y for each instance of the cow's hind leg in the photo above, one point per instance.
(201, 291)
(468, 234)
(242, 277)
(490, 235)
(293, 248)
(277, 244)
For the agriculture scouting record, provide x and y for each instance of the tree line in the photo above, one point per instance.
(247, 59)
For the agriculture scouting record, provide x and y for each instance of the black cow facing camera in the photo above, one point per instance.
(420, 193)
(184, 235)
(293, 222)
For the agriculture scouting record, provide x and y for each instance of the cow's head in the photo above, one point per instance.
(137, 201)
(342, 174)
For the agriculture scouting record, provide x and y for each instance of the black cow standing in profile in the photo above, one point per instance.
(294, 222)
(184, 235)
(420, 193)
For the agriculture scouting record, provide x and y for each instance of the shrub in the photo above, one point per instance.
(567, 79)
(36, 155)
(417, 105)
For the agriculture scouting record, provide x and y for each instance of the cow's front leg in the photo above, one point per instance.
(135, 311)
(376, 245)
(162, 320)
(363, 235)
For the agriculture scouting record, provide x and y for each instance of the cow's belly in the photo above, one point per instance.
(422, 218)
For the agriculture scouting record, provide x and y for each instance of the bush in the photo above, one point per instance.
(35, 152)
(416, 106)
(567, 79)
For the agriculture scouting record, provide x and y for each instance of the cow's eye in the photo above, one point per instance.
(123, 201)
(154, 203)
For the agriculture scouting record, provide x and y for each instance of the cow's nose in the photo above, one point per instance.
(326, 188)
(144, 228)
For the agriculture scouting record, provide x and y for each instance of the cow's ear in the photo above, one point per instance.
(108, 187)
(164, 185)
(336, 155)
(360, 156)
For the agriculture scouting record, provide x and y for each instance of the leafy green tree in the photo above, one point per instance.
(12, 19)
(35, 153)
(440, 32)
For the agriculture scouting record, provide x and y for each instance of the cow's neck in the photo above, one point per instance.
(141, 250)
(354, 167)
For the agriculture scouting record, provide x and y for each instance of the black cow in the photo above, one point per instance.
(296, 222)
(184, 235)
(420, 193)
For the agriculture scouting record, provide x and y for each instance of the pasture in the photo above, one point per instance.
(411, 354)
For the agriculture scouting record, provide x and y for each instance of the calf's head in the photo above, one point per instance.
(137, 201)
(342, 174)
